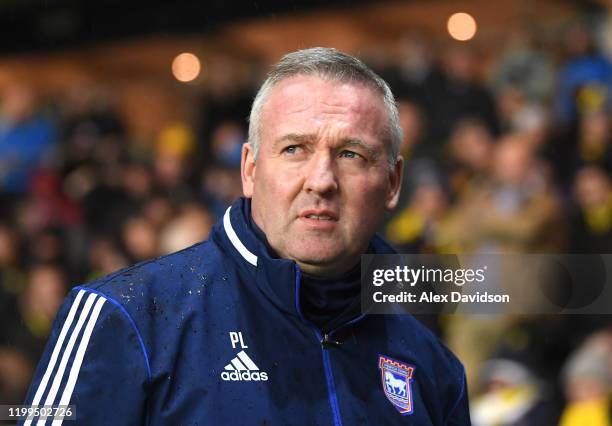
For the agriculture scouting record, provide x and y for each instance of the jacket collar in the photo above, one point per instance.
(278, 279)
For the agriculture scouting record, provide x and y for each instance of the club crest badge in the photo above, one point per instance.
(396, 379)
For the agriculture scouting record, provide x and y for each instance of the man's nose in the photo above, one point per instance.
(320, 176)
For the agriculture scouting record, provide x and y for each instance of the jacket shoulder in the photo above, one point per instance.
(199, 262)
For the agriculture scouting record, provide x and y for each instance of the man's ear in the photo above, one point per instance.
(395, 184)
(247, 169)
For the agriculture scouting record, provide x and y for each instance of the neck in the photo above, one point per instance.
(328, 271)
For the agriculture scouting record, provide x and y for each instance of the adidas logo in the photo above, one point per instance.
(242, 368)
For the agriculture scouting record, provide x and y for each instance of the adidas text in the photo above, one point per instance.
(235, 376)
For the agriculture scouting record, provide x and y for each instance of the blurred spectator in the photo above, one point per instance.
(29, 321)
(512, 396)
(585, 79)
(88, 117)
(229, 92)
(227, 140)
(469, 155)
(594, 140)
(587, 378)
(220, 186)
(137, 181)
(26, 139)
(519, 115)
(592, 218)
(12, 278)
(411, 149)
(15, 375)
(411, 122)
(412, 228)
(408, 74)
(140, 238)
(589, 143)
(454, 94)
(103, 189)
(159, 210)
(46, 246)
(105, 257)
(25, 326)
(512, 211)
(191, 226)
(524, 67)
(46, 205)
(173, 162)
(42, 298)
(446, 90)
(416, 61)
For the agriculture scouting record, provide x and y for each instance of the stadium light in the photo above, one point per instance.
(186, 67)
(461, 26)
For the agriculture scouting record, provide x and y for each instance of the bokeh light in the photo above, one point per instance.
(461, 26)
(186, 67)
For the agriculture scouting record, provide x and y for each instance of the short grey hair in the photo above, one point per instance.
(329, 64)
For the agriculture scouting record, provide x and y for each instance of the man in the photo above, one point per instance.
(261, 324)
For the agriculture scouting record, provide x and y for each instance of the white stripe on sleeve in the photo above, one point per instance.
(78, 359)
(56, 350)
(57, 380)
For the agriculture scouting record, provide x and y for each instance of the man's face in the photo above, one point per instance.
(322, 181)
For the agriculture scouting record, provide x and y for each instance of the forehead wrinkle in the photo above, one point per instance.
(294, 137)
(288, 91)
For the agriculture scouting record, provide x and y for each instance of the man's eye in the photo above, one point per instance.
(350, 154)
(291, 149)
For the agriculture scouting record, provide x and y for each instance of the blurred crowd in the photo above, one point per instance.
(519, 161)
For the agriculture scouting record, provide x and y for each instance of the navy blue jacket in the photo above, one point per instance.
(214, 335)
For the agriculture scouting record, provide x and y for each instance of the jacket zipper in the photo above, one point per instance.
(326, 344)
(329, 377)
(327, 367)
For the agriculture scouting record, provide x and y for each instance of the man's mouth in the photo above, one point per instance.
(319, 217)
